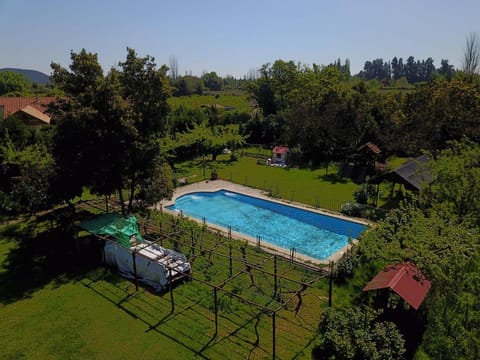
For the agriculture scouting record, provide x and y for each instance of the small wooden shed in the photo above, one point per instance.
(280, 155)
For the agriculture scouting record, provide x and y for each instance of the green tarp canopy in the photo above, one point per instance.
(121, 228)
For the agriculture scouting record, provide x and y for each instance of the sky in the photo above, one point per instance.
(232, 37)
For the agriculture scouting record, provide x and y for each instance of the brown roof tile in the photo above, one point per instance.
(11, 105)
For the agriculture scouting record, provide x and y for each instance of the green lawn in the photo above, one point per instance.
(312, 187)
(240, 101)
(54, 304)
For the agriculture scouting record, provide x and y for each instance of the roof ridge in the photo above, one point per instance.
(400, 273)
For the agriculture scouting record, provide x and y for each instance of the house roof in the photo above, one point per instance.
(405, 279)
(411, 174)
(370, 146)
(30, 110)
(12, 105)
(280, 150)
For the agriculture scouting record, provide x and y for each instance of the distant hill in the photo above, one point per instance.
(33, 75)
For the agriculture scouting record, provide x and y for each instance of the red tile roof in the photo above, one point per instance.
(405, 279)
(280, 150)
(11, 105)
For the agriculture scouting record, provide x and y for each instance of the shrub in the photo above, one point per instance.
(345, 267)
(351, 209)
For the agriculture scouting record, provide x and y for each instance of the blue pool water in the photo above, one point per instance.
(316, 235)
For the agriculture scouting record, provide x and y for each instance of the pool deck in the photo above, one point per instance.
(216, 185)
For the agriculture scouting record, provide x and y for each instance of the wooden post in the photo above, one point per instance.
(230, 257)
(192, 251)
(275, 283)
(273, 336)
(330, 285)
(170, 287)
(134, 256)
(215, 309)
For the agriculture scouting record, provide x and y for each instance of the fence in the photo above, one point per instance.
(251, 295)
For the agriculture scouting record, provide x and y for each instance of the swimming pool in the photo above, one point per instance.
(310, 233)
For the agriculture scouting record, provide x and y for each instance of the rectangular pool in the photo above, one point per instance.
(310, 233)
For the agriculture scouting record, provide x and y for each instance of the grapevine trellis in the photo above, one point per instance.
(250, 267)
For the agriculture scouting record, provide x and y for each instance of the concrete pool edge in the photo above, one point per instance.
(218, 185)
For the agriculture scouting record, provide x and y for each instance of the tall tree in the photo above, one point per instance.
(173, 67)
(446, 69)
(108, 132)
(471, 56)
(439, 112)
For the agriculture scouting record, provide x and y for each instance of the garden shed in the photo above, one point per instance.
(280, 155)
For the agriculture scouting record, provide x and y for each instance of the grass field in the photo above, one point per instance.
(57, 304)
(239, 101)
(312, 187)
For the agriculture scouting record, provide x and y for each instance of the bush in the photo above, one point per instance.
(360, 195)
(351, 209)
(356, 334)
(345, 267)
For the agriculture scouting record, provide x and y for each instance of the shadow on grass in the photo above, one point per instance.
(333, 178)
(36, 258)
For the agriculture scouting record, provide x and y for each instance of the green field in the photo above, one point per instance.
(312, 187)
(58, 304)
(239, 101)
(318, 187)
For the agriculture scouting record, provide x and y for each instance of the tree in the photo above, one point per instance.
(12, 129)
(439, 112)
(211, 140)
(397, 68)
(471, 56)
(439, 233)
(355, 334)
(446, 69)
(173, 67)
(107, 133)
(455, 181)
(188, 85)
(212, 81)
(13, 84)
(25, 178)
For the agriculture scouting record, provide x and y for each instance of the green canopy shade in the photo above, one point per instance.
(121, 228)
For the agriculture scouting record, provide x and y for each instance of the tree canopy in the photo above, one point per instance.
(107, 132)
(439, 232)
(13, 84)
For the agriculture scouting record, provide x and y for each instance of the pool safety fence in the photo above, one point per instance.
(286, 288)
(276, 190)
